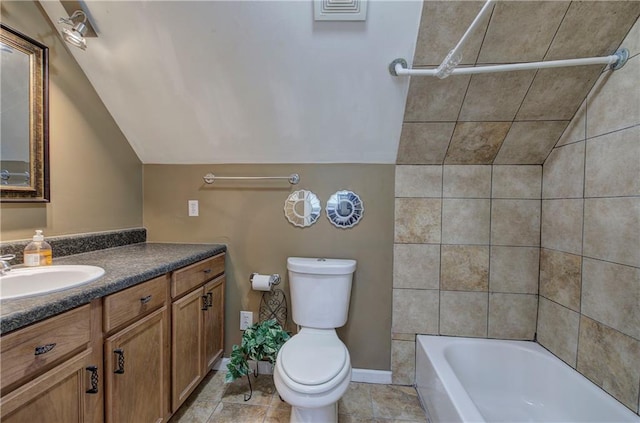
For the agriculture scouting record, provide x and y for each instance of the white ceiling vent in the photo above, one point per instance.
(340, 10)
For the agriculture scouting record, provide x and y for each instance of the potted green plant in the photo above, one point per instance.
(260, 342)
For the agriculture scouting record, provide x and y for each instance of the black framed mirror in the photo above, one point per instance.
(24, 112)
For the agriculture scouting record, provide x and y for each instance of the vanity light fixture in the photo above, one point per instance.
(75, 35)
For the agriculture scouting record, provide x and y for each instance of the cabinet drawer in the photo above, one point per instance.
(185, 279)
(127, 305)
(29, 351)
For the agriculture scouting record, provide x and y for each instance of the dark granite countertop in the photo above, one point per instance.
(124, 267)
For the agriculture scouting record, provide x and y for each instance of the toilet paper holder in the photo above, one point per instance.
(274, 279)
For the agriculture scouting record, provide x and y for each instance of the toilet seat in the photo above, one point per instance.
(313, 358)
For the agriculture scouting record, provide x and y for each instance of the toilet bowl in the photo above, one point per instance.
(313, 368)
(312, 372)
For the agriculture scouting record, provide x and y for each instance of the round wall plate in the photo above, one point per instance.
(302, 208)
(344, 209)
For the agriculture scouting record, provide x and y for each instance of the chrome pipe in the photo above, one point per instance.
(617, 60)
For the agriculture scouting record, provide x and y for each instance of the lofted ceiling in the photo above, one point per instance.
(249, 81)
(261, 82)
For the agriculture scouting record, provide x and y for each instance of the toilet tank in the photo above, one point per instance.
(320, 291)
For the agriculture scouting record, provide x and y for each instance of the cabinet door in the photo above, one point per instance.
(186, 359)
(213, 337)
(56, 396)
(136, 378)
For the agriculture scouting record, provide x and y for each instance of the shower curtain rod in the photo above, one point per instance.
(399, 67)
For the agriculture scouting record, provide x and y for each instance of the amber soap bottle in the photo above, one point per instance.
(38, 252)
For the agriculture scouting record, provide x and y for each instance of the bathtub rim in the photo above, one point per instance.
(437, 344)
(453, 388)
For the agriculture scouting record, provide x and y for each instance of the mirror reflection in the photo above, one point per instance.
(302, 208)
(344, 209)
(24, 163)
(14, 119)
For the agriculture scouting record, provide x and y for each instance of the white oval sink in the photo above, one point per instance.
(28, 281)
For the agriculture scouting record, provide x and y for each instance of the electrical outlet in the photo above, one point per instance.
(246, 319)
(193, 207)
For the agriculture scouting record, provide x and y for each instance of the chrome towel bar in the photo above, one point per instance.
(293, 179)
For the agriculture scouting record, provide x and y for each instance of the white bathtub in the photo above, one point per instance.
(487, 380)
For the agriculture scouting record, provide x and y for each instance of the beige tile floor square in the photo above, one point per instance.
(217, 402)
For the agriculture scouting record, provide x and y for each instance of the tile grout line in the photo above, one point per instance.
(490, 249)
(584, 191)
(441, 244)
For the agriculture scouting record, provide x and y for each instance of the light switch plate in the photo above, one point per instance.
(193, 208)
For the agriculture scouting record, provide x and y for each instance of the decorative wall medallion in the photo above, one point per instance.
(344, 209)
(302, 208)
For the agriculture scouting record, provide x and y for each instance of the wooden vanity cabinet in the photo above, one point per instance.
(52, 370)
(132, 356)
(136, 352)
(197, 324)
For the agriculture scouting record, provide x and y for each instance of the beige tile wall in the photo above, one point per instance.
(589, 307)
(493, 230)
(510, 117)
(466, 255)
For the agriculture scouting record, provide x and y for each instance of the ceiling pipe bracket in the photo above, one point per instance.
(392, 66)
(623, 56)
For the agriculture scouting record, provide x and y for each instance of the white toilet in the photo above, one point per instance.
(313, 368)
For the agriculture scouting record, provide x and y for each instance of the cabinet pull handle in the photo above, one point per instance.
(120, 353)
(207, 271)
(209, 299)
(205, 303)
(43, 349)
(146, 299)
(94, 379)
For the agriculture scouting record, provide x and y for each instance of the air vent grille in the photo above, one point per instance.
(340, 10)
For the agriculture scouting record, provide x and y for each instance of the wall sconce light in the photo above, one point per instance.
(75, 35)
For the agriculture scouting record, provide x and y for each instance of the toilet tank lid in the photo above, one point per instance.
(321, 266)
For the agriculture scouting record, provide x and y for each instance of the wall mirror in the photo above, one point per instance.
(344, 209)
(302, 208)
(24, 113)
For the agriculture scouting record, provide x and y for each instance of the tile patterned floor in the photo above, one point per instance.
(217, 402)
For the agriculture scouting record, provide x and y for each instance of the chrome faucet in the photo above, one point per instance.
(4, 263)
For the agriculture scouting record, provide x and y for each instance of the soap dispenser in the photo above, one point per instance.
(38, 252)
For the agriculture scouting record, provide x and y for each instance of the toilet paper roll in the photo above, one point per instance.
(261, 283)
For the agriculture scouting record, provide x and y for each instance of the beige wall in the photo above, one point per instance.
(589, 312)
(249, 218)
(465, 255)
(96, 178)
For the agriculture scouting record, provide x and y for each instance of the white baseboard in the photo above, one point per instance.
(357, 375)
(221, 365)
(371, 376)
